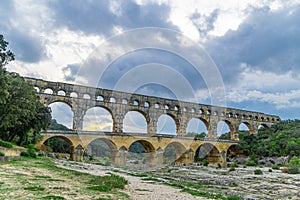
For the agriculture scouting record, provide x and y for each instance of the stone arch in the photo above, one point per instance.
(207, 153)
(167, 124)
(98, 118)
(221, 129)
(193, 124)
(74, 95)
(232, 151)
(245, 126)
(59, 144)
(263, 125)
(62, 112)
(141, 151)
(48, 91)
(140, 125)
(172, 152)
(61, 93)
(102, 147)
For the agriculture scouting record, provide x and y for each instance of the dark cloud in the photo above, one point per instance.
(96, 16)
(204, 23)
(266, 40)
(70, 72)
(25, 46)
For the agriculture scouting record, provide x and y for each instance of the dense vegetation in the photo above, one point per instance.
(22, 116)
(282, 139)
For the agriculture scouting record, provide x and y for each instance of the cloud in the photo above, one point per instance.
(267, 39)
(102, 17)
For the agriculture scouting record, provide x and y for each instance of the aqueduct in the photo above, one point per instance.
(81, 98)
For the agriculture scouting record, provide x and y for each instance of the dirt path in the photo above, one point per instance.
(137, 188)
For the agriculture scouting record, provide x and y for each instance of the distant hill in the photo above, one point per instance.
(56, 126)
(282, 139)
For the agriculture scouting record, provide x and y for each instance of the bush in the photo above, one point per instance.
(258, 172)
(293, 170)
(231, 169)
(293, 166)
(25, 154)
(2, 154)
(251, 163)
(6, 144)
(275, 167)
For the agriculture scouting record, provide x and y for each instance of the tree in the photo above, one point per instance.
(22, 116)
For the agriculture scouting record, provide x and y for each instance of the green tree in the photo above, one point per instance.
(22, 116)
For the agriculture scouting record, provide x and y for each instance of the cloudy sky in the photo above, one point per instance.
(248, 50)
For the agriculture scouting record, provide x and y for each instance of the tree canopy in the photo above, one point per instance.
(22, 116)
(281, 139)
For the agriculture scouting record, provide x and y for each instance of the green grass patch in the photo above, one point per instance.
(107, 183)
(6, 144)
(34, 188)
(52, 197)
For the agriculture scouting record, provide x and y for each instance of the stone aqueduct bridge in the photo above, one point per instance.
(81, 98)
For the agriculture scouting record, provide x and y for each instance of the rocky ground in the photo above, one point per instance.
(207, 182)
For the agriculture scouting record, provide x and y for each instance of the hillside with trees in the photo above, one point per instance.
(282, 139)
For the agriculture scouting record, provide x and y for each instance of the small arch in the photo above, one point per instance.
(61, 93)
(48, 91)
(37, 89)
(184, 109)
(73, 95)
(136, 103)
(112, 100)
(86, 96)
(167, 107)
(176, 108)
(208, 112)
(201, 111)
(215, 113)
(222, 114)
(99, 98)
(192, 110)
(236, 115)
(156, 105)
(249, 117)
(146, 104)
(244, 117)
(262, 118)
(229, 115)
(256, 118)
(124, 101)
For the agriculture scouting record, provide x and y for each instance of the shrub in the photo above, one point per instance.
(258, 172)
(251, 163)
(2, 154)
(293, 170)
(25, 154)
(231, 169)
(6, 144)
(275, 167)
(205, 162)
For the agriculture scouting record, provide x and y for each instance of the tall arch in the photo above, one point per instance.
(173, 152)
(62, 113)
(59, 144)
(98, 119)
(167, 124)
(225, 127)
(208, 154)
(135, 121)
(197, 125)
(102, 148)
(140, 151)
